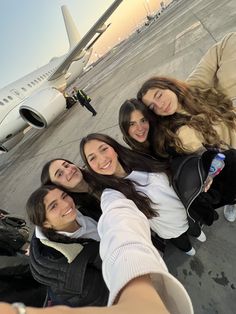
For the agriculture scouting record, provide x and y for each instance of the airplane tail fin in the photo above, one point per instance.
(72, 31)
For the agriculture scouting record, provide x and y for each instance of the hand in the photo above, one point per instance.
(6, 308)
(207, 184)
(27, 251)
(26, 248)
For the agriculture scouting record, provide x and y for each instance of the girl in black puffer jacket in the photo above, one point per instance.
(64, 251)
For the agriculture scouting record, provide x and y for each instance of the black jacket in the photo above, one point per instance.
(17, 283)
(82, 97)
(87, 204)
(189, 174)
(76, 284)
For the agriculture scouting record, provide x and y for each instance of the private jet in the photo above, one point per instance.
(37, 99)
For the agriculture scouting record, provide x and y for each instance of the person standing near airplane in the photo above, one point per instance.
(84, 100)
(43, 84)
(73, 94)
(70, 100)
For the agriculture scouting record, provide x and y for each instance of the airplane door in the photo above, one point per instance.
(17, 93)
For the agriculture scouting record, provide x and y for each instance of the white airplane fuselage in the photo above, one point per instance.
(14, 95)
(37, 98)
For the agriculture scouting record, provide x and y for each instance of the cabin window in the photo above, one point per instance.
(5, 100)
(9, 97)
(1, 103)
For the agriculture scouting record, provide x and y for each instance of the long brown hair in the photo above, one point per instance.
(125, 112)
(36, 211)
(130, 160)
(204, 108)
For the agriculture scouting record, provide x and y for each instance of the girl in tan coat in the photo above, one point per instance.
(189, 118)
(216, 70)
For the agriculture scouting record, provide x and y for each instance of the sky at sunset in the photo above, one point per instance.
(32, 32)
(125, 20)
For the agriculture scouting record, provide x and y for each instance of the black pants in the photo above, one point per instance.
(158, 242)
(187, 183)
(89, 107)
(222, 191)
(224, 183)
(183, 242)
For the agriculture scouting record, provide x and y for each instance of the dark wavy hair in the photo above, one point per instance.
(204, 108)
(36, 211)
(125, 112)
(130, 160)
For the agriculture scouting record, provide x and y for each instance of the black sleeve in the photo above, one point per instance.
(83, 93)
(14, 265)
(88, 205)
(158, 242)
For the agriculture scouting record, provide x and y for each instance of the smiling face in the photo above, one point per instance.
(60, 211)
(138, 126)
(162, 102)
(102, 158)
(65, 174)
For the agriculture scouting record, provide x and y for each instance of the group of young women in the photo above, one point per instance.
(126, 196)
(65, 246)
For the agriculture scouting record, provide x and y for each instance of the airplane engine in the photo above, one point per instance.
(6, 146)
(42, 107)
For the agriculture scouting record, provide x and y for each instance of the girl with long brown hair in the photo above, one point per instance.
(145, 182)
(188, 118)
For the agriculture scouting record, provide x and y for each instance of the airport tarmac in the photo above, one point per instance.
(172, 45)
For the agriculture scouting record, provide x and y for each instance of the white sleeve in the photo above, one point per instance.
(127, 253)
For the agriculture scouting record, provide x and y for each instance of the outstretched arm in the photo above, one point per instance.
(132, 267)
(217, 67)
(137, 297)
(127, 253)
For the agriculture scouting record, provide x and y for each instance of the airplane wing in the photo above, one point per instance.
(73, 54)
